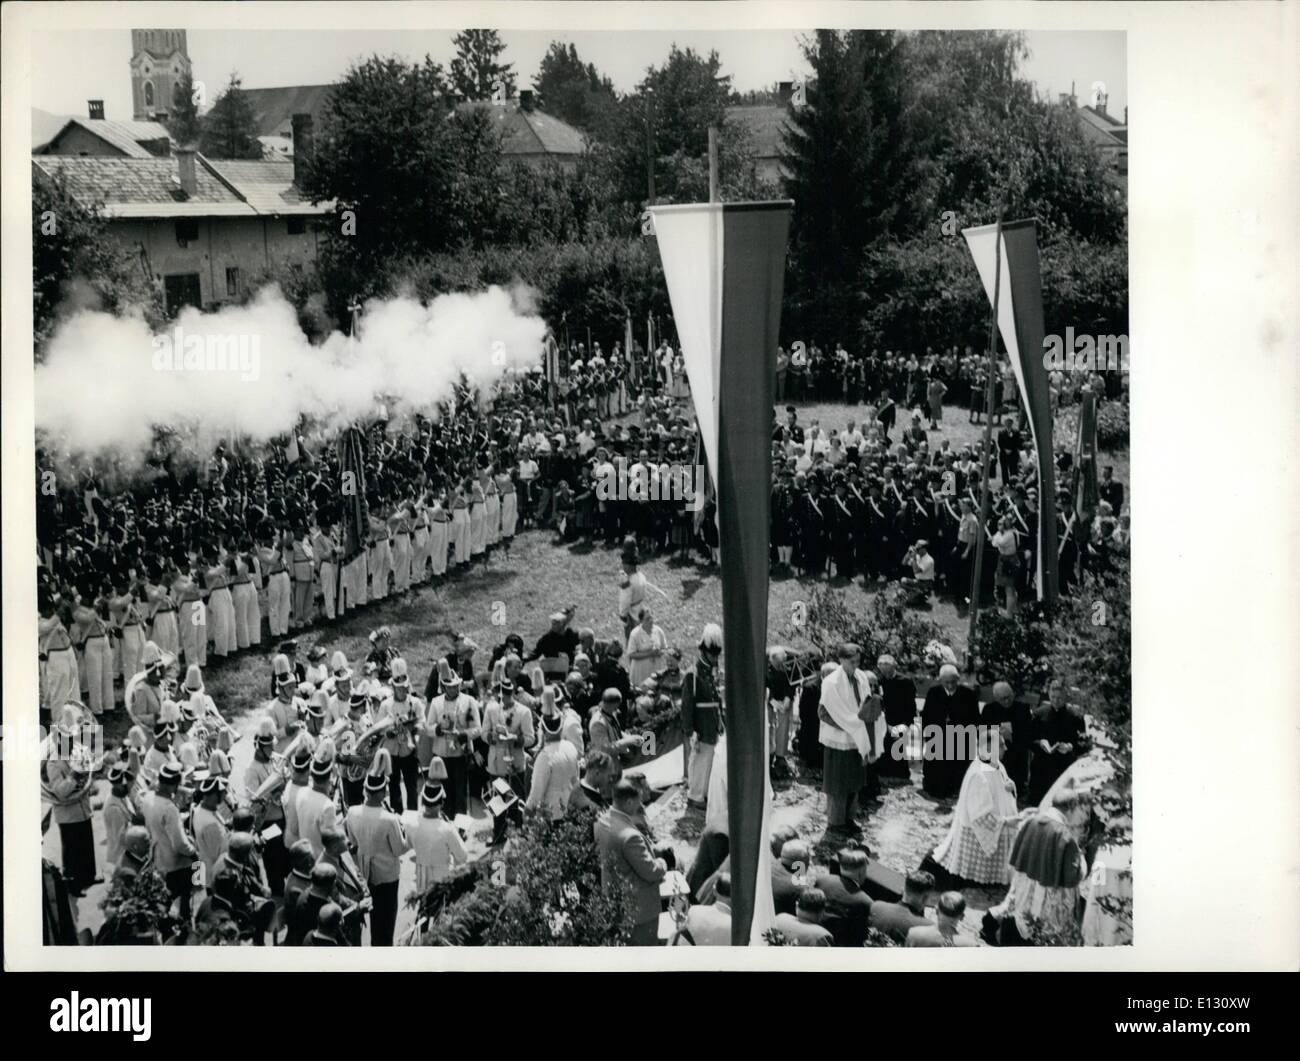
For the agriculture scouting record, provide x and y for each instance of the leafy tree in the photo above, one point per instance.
(77, 263)
(573, 91)
(386, 156)
(477, 66)
(230, 128)
(183, 123)
(668, 119)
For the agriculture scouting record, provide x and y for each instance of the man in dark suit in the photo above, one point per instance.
(626, 859)
(948, 744)
(794, 861)
(1009, 444)
(898, 701)
(895, 919)
(847, 905)
(1111, 490)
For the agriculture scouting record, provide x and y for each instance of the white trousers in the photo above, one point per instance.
(700, 769)
(279, 598)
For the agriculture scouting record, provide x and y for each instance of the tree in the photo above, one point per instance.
(230, 128)
(574, 92)
(477, 67)
(76, 262)
(183, 123)
(385, 155)
(847, 151)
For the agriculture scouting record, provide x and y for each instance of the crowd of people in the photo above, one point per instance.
(141, 586)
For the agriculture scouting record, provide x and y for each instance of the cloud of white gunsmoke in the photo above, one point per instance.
(250, 371)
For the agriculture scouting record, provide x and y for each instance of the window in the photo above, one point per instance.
(297, 226)
(186, 231)
(232, 282)
(148, 93)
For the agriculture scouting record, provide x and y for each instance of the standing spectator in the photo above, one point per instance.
(646, 645)
(626, 860)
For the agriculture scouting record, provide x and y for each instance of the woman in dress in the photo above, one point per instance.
(1007, 542)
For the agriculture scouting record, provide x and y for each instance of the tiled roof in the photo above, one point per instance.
(143, 187)
(1103, 127)
(147, 188)
(529, 132)
(764, 122)
(126, 136)
(267, 186)
(274, 108)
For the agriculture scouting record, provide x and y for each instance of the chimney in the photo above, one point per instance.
(525, 99)
(96, 110)
(1126, 117)
(185, 166)
(786, 91)
(302, 147)
(1102, 97)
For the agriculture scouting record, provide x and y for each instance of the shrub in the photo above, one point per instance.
(542, 890)
(888, 626)
(1012, 649)
(1112, 425)
(136, 910)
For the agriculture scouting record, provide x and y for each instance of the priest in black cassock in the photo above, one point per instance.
(948, 745)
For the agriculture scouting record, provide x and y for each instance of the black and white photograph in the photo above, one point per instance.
(509, 483)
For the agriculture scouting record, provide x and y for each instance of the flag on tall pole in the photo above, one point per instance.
(725, 268)
(352, 482)
(1020, 322)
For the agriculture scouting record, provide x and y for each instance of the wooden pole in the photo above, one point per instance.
(650, 148)
(714, 197)
(985, 449)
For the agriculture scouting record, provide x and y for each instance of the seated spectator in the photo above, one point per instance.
(710, 926)
(897, 919)
(804, 927)
(796, 858)
(952, 905)
(847, 905)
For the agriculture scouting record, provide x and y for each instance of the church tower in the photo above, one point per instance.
(159, 62)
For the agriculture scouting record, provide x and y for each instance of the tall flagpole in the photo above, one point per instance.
(985, 450)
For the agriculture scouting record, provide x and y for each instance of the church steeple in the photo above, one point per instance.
(160, 60)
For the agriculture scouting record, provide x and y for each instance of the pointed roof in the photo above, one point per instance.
(148, 187)
(274, 108)
(128, 137)
(528, 131)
